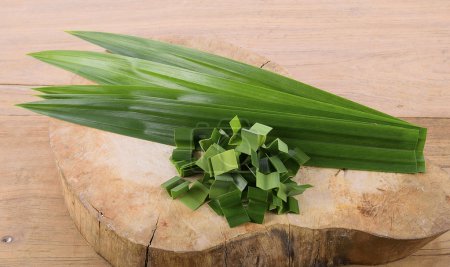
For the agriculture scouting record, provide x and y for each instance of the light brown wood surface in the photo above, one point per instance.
(111, 184)
(391, 56)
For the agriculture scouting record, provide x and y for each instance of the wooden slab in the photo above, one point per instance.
(112, 187)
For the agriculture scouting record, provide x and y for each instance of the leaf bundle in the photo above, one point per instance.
(148, 88)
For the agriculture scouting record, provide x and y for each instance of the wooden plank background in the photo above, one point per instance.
(390, 55)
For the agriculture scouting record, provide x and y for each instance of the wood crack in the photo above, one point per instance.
(151, 240)
(226, 253)
(289, 246)
(265, 63)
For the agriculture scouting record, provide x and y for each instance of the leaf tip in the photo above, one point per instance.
(37, 55)
(76, 33)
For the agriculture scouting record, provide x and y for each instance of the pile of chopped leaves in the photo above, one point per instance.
(245, 172)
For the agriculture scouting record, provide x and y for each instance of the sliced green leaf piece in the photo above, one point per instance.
(172, 183)
(233, 209)
(261, 129)
(196, 196)
(224, 162)
(277, 146)
(179, 154)
(185, 168)
(214, 139)
(257, 204)
(179, 189)
(239, 181)
(264, 165)
(222, 184)
(215, 206)
(235, 125)
(282, 192)
(295, 189)
(276, 202)
(204, 161)
(293, 205)
(267, 181)
(278, 164)
(183, 138)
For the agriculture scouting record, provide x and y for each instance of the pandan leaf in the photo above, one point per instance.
(196, 195)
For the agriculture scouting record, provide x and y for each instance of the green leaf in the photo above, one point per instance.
(235, 125)
(183, 138)
(204, 161)
(257, 204)
(179, 189)
(267, 181)
(278, 164)
(293, 205)
(214, 139)
(222, 185)
(181, 154)
(232, 208)
(107, 115)
(115, 69)
(277, 146)
(211, 64)
(239, 181)
(224, 162)
(294, 189)
(276, 203)
(223, 67)
(282, 192)
(196, 196)
(215, 206)
(172, 183)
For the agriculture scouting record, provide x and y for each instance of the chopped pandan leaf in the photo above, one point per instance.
(224, 162)
(185, 168)
(207, 179)
(235, 125)
(248, 176)
(282, 192)
(254, 158)
(276, 202)
(239, 181)
(293, 205)
(181, 154)
(250, 141)
(196, 195)
(277, 146)
(183, 138)
(267, 181)
(179, 189)
(232, 208)
(222, 185)
(172, 183)
(264, 165)
(257, 204)
(278, 164)
(299, 156)
(295, 189)
(215, 206)
(204, 161)
(214, 139)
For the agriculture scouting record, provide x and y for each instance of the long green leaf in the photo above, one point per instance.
(113, 69)
(203, 62)
(155, 120)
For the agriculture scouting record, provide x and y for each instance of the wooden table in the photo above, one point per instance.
(392, 56)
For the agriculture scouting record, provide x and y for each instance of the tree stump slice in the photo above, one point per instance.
(111, 185)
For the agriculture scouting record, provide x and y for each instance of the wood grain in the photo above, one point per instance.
(393, 56)
(357, 49)
(47, 234)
